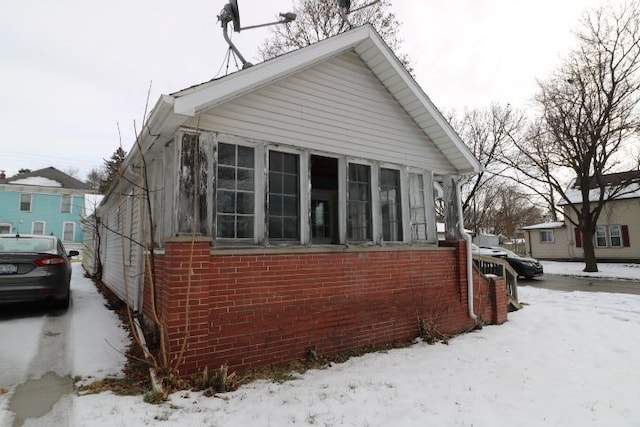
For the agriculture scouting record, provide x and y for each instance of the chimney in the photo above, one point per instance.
(3, 177)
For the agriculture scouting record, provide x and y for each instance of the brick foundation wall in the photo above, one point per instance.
(255, 308)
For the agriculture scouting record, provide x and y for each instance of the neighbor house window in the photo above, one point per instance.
(601, 236)
(615, 236)
(65, 206)
(359, 203)
(37, 227)
(5, 228)
(284, 195)
(391, 205)
(25, 202)
(417, 207)
(546, 236)
(68, 231)
(235, 191)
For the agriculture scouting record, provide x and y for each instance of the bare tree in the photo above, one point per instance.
(320, 19)
(95, 178)
(589, 112)
(487, 133)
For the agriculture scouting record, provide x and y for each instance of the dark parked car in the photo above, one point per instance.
(34, 268)
(526, 267)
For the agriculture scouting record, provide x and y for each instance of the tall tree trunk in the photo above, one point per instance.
(588, 228)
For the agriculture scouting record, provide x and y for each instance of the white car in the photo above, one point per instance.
(488, 251)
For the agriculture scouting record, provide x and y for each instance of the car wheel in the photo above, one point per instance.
(62, 304)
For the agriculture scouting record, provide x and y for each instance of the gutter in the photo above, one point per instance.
(467, 238)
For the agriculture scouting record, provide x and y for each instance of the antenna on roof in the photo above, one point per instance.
(345, 9)
(231, 13)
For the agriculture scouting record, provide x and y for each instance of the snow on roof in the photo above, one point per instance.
(545, 225)
(629, 179)
(38, 180)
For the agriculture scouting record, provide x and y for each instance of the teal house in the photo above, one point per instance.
(46, 201)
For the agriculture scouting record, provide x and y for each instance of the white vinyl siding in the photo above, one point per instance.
(337, 107)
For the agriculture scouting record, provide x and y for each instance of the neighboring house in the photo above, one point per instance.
(46, 201)
(617, 235)
(293, 210)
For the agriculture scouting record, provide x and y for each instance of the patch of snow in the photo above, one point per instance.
(567, 358)
(545, 225)
(37, 180)
(626, 271)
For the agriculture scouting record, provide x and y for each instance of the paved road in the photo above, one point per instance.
(588, 284)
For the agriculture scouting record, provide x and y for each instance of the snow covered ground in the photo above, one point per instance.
(567, 358)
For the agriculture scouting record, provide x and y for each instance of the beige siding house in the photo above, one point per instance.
(617, 235)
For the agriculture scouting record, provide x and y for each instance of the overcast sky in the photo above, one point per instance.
(72, 70)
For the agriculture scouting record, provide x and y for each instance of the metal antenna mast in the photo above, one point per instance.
(231, 13)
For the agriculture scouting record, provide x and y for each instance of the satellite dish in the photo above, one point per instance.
(344, 6)
(231, 13)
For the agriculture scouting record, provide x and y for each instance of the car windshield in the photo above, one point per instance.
(20, 244)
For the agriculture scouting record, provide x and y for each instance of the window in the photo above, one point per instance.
(37, 227)
(391, 205)
(25, 202)
(417, 207)
(5, 228)
(615, 236)
(546, 236)
(601, 236)
(283, 199)
(359, 203)
(324, 200)
(235, 191)
(68, 231)
(65, 206)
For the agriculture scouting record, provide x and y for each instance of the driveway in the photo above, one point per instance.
(44, 350)
(586, 284)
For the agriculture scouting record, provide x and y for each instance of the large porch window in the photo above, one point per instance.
(359, 227)
(235, 191)
(284, 196)
(266, 193)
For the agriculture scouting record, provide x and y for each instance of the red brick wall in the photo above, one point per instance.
(251, 309)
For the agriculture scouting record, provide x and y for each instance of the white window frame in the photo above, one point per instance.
(68, 204)
(33, 227)
(617, 235)
(30, 202)
(64, 231)
(5, 225)
(258, 192)
(402, 182)
(376, 221)
(551, 238)
(304, 193)
(601, 234)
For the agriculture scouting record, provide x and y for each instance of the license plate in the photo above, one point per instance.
(8, 269)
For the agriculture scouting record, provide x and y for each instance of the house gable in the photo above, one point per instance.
(379, 59)
(338, 107)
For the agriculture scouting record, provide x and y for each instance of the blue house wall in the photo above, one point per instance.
(47, 188)
(44, 207)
